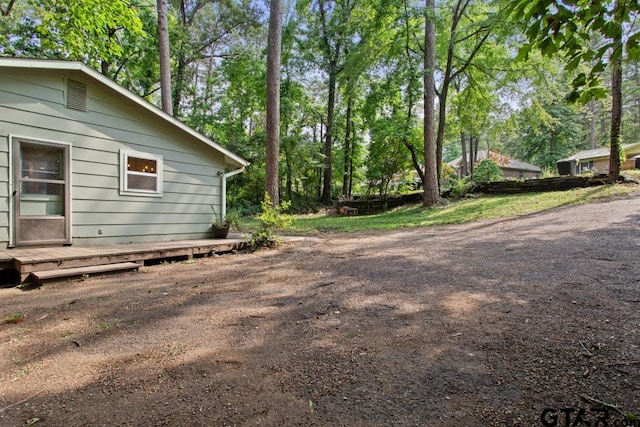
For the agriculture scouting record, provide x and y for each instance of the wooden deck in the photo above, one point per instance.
(74, 259)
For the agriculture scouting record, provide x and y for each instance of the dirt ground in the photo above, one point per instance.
(527, 321)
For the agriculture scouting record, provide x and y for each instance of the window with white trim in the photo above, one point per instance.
(140, 173)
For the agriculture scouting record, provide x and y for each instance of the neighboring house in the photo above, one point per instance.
(597, 160)
(83, 160)
(510, 168)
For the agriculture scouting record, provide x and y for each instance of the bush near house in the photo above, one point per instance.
(487, 170)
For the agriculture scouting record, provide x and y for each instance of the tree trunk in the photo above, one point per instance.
(351, 156)
(637, 76)
(332, 54)
(347, 147)
(7, 10)
(289, 178)
(450, 74)
(473, 154)
(616, 118)
(104, 68)
(592, 124)
(287, 149)
(476, 148)
(464, 169)
(328, 143)
(320, 169)
(178, 87)
(405, 135)
(164, 54)
(616, 98)
(274, 50)
(411, 98)
(446, 81)
(431, 195)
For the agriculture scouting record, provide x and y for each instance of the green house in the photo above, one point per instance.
(83, 160)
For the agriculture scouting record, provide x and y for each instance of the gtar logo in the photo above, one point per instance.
(570, 417)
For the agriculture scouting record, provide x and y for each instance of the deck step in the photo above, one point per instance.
(38, 276)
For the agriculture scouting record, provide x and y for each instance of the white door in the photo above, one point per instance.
(41, 193)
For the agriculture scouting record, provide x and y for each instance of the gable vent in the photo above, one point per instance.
(76, 95)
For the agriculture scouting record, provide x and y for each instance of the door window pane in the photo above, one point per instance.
(42, 188)
(41, 162)
(38, 198)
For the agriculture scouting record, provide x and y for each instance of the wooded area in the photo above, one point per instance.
(372, 93)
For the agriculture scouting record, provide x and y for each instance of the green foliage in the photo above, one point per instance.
(248, 187)
(303, 204)
(87, 29)
(376, 49)
(583, 33)
(200, 32)
(449, 178)
(138, 70)
(487, 170)
(232, 219)
(247, 208)
(270, 221)
(546, 132)
(549, 172)
(390, 132)
(448, 172)
(460, 187)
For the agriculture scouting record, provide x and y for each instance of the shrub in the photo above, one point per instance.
(271, 219)
(487, 170)
(303, 204)
(448, 171)
(460, 187)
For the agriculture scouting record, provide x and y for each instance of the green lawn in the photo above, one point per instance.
(454, 212)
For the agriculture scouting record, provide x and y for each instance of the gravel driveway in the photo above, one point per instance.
(531, 320)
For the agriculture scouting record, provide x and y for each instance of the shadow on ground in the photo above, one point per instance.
(477, 324)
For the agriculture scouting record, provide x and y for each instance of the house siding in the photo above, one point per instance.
(628, 164)
(4, 186)
(598, 159)
(600, 166)
(32, 105)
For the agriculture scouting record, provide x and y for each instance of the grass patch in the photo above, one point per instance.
(107, 324)
(25, 370)
(633, 173)
(467, 210)
(68, 335)
(173, 350)
(14, 318)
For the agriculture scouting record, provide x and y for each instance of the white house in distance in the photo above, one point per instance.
(83, 160)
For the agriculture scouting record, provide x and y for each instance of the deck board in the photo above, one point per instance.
(28, 260)
(39, 276)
